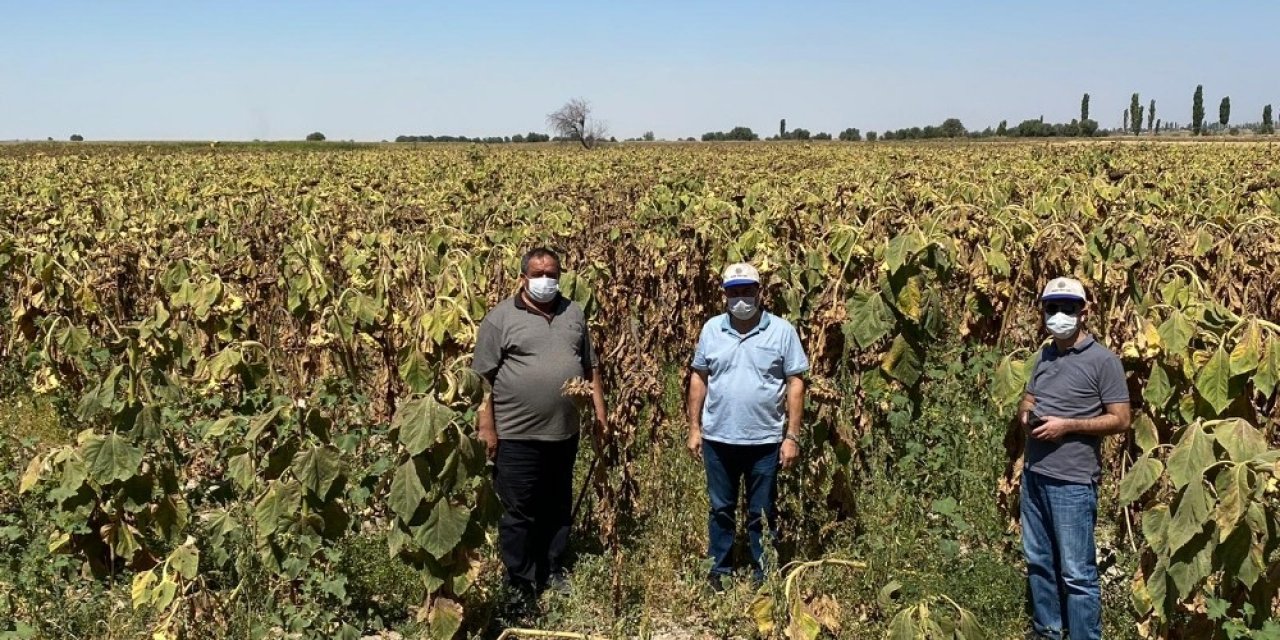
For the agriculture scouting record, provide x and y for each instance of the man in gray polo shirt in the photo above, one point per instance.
(526, 349)
(1076, 395)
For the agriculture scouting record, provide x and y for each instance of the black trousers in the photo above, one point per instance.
(534, 482)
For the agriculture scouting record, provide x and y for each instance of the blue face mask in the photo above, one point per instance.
(1061, 325)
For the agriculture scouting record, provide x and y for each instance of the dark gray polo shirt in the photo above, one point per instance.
(1076, 383)
(528, 359)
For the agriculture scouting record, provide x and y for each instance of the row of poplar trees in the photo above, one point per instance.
(1133, 115)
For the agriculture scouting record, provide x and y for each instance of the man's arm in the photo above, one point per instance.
(1115, 420)
(790, 450)
(486, 428)
(1024, 408)
(697, 397)
(597, 401)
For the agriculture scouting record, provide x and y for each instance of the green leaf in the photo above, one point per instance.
(1190, 566)
(1158, 389)
(1155, 528)
(1267, 376)
(1010, 382)
(317, 468)
(1247, 354)
(969, 628)
(1157, 588)
(1234, 492)
(1193, 510)
(164, 594)
(416, 373)
(899, 250)
(420, 422)
(259, 424)
(111, 458)
(997, 262)
(185, 561)
(1191, 455)
(1141, 477)
(903, 362)
(443, 529)
(868, 318)
(240, 470)
(1240, 439)
(407, 492)
(1144, 433)
(888, 594)
(280, 500)
(1213, 381)
(1176, 332)
(140, 590)
(903, 626)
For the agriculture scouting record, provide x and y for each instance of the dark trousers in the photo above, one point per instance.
(728, 465)
(534, 482)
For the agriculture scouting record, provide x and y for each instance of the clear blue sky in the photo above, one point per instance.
(371, 70)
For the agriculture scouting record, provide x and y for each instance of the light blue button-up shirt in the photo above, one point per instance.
(747, 378)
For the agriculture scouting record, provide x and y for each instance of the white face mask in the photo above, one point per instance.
(1061, 325)
(743, 308)
(543, 289)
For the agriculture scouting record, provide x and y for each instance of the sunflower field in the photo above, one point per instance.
(254, 356)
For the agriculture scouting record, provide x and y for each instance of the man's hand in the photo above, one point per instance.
(789, 453)
(601, 432)
(1052, 428)
(695, 443)
(489, 437)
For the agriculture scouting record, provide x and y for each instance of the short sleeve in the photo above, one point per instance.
(1111, 382)
(1031, 378)
(794, 360)
(488, 354)
(700, 354)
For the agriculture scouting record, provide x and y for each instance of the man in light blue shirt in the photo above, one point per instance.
(746, 398)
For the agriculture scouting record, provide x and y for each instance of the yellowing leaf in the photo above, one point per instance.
(1214, 381)
(761, 611)
(1247, 353)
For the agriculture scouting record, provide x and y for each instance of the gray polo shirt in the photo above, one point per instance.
(1077, 383)
(528, 358)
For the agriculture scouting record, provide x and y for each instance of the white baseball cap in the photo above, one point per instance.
(739, 274)
(1063, 289)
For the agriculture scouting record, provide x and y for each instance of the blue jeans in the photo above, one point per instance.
(1058, 519)
(727, 466)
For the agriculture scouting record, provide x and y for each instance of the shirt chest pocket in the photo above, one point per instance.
(570, 336)
(767, 360)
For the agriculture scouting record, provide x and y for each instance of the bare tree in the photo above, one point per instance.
(574, 121)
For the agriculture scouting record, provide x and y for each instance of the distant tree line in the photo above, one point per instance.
(518, 138)
(737, 133)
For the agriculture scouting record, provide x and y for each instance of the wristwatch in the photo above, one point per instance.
(793, 437)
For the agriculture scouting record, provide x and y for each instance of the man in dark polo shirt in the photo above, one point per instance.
(1076, 395)
(526, 349)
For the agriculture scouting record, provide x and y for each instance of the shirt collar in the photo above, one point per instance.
(561, 304)
(1078, 347)
(726, 325)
